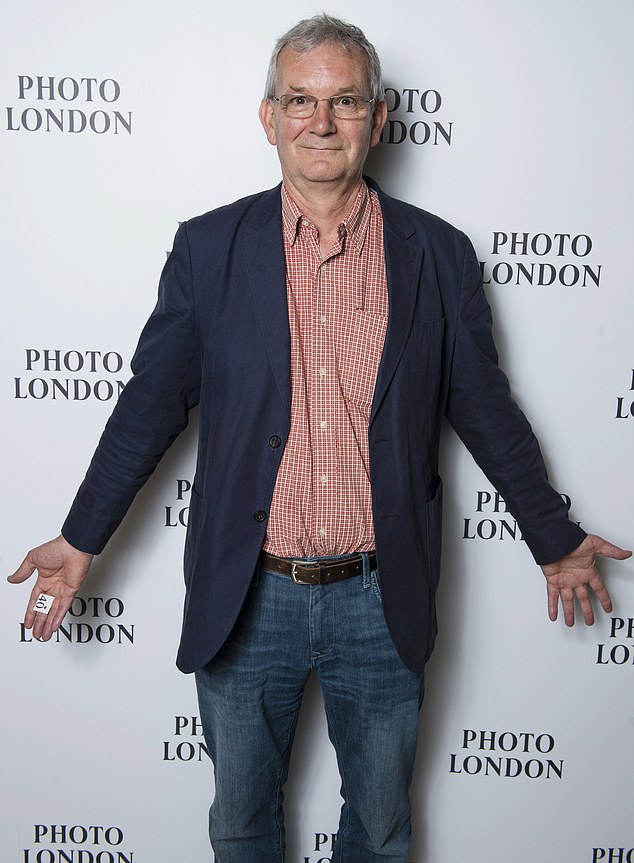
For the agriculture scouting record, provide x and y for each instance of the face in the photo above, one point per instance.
(321, 149)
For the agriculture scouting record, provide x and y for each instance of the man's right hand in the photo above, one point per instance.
(61, 570)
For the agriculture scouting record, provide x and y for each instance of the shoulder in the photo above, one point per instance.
(406, 219)
(223, 221)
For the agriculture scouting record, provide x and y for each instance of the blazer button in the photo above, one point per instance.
(259, 515)
(275, 441)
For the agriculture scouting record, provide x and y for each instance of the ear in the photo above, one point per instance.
(379, 118)
(267, 118)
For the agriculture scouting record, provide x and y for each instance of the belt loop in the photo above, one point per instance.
(366, 568)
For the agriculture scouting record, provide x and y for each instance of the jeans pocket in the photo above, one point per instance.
(372, 582)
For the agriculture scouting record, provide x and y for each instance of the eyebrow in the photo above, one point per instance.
(339, 92)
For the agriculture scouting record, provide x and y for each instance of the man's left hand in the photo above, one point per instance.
(575, 574)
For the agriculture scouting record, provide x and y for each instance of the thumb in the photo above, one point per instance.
(24, 571)
(608, 549)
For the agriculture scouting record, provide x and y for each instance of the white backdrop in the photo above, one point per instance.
(512, 120)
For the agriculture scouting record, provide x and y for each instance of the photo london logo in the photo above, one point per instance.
(619, 649)
(176, 513)
(541, 259)
(68, 105)
(187, 742)
(90, 620)
(323, 848)
(507, 755)
(58, 374)
(625, 404)
(415, 116)
(53, 843)
(612, 855)
(492, 519)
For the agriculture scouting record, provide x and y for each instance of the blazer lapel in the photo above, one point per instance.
(264, 255)
(403, 262)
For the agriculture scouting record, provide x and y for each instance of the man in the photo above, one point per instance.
(325, 329)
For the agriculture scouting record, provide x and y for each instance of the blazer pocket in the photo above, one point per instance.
(433, 532)
(195, 521)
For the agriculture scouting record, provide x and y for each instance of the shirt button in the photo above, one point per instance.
(322, 371)
(324, 479)
(259, 515)
(275, 441)
(323, 319)
(323, 424)
(322, 531)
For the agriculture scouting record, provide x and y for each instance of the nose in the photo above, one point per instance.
(323, 120)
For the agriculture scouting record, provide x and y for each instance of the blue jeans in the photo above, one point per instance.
(250, 695)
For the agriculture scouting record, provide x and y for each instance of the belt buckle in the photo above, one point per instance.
(294, 576)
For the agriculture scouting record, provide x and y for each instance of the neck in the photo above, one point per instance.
(324, 206)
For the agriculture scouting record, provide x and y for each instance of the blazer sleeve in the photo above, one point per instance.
(496, 432)
(151, 411)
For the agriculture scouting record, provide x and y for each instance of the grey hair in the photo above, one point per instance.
(321, 29)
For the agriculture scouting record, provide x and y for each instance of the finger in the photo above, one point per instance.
(586, 605)
(601, 593)
(47, 629)
(31, 613)
(553, 601)
(36, 619)
(568, 605)
(44, 628)
(39, 625)
(58, 613)
(46, 625)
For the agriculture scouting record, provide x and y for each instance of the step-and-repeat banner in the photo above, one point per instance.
(512, 120)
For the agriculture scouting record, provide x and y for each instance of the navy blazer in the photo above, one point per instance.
(219, 336)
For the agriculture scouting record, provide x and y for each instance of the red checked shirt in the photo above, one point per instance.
(337, 309)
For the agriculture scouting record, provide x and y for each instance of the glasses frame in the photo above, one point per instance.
(314, 101)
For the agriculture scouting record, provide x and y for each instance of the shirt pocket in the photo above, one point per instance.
(358, 340)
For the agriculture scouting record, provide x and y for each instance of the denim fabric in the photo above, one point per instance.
(250, 695)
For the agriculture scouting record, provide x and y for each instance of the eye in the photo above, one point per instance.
(348, 102)
(297, 101)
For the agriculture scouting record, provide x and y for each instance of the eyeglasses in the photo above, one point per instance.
(300, 106)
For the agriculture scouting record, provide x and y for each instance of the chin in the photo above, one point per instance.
(324, 172)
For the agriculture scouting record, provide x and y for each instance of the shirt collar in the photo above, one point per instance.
(355, 223)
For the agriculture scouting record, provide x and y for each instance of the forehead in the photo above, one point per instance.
(328, 66)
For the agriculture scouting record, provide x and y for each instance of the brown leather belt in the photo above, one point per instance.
(319, 572)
